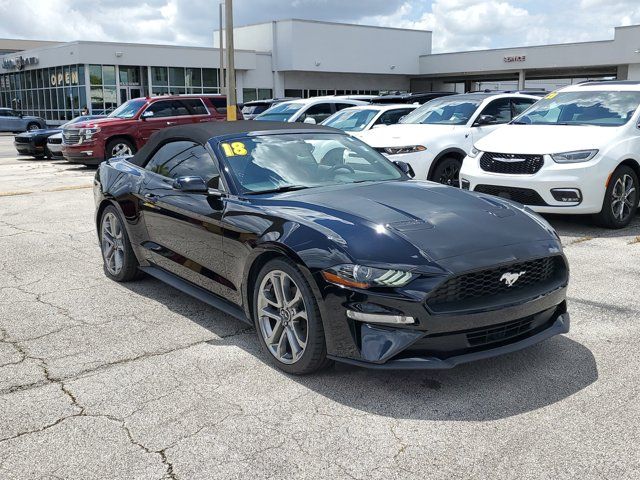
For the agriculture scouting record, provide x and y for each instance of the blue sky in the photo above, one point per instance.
(457, 24)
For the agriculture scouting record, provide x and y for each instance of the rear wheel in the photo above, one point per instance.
(621, 199)
(120, 263)
(287, 319)
(119, 147)
(447, 171)
(33, 126)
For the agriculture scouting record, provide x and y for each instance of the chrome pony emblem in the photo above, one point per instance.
(510, 278)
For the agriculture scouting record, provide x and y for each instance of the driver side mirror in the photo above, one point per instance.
(486, 120)
(147, 114)
(405, 168)
(310, 120)
(190, 184)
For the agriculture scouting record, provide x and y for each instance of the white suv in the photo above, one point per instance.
(575, 151)
(308, 110)
(435, 138)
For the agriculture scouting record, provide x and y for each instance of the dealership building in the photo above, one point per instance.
(294, 58)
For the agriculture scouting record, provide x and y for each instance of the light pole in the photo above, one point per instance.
(221, 34)
(231, 70)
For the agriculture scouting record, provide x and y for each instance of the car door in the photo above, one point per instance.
(162, 114)
(499, 108)
(184, 228)
(4, 122)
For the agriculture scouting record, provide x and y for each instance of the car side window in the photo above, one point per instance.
(184, 158)
(196, 106)
(500, 109)
(392, 116)
(521, 104)
(163, 108)
(342, 106)
(318, 112)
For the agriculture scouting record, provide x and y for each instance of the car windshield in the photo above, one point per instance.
(128, 109)
(351, 120)
(599, 108)
(268, 163)
(281, 112)
(254, 109)
(444, 111)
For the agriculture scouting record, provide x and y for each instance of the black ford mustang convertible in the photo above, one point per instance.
(329, 249)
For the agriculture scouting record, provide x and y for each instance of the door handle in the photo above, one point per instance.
(171, 123)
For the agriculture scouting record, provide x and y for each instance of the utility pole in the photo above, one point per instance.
(231, 68)
(221, 33)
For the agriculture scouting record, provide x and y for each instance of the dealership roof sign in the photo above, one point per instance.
(18, 63)
(515, 58)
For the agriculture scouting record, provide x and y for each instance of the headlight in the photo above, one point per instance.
(574, 157)
(474, 152)
(88, 133)
(359, 276)
(409, 149)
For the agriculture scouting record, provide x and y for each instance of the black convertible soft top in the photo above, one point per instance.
(203, 132)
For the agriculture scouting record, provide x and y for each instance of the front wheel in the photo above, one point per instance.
(287, 319)
(447, 172)
(620, 200)
(119, 147)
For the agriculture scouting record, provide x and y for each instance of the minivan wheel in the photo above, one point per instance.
(120, 263)
(447, 172)
(287, 319)
(119, 147)
(621, 199)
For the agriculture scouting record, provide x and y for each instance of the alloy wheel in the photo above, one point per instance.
(121, 150)
(623, 197)
(112, 243)
(282, 317)
(33, 127)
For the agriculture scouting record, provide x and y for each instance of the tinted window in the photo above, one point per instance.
(164, 108)
(342, 106)
(500, 109)
(521, 104)
(393, 116)
(318, 112)
(195, 105)
(179, 159)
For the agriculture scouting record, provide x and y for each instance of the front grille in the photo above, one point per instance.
(71, 137)
(22, 139)
(509, 163)
(54, 140)
(493, 282)
(526, 196)
(496, 333)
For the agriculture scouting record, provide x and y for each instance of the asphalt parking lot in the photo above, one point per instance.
(139, 381)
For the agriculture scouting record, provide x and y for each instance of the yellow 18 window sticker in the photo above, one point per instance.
(234, 148)
(551, 95)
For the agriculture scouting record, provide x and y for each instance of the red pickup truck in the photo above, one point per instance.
(129, 126)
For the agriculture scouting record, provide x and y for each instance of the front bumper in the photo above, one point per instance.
(559, 326)
(589, 177)
(30, 148)
(55, 149)
(88, 153)
(419, 161)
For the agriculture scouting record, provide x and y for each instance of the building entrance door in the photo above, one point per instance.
(127, 93)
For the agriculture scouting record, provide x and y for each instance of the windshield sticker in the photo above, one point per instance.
(551, 95)
(234, 149)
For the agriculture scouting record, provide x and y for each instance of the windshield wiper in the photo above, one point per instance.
(281, 189)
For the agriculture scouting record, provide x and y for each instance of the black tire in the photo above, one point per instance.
(113, 146)
(447, 172)
(33, 126)
(607, 218)
(129, 270)
(314, 357)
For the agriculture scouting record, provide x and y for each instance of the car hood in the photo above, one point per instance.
(386, 219)
(101, 122)
(39, 132)
(405, 134)
(546, 139)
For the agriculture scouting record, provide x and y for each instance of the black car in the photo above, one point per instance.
(329, 249)
(34, 142)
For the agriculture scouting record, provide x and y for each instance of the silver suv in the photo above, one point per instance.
(12, 121)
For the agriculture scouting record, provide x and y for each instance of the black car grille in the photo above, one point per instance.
(54, 140)
(22, 139)
(510, 163)
(526, 196)
(71, 137)
(496, 333)
(487, 285)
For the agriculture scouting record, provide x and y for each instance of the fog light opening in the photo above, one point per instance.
(567, 195)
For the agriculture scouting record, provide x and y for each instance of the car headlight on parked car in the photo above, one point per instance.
(474, 152)
(408, 149)
(88, 133)
(574, 157)
(359, 276)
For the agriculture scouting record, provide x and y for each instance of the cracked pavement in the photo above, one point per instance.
(138, 381)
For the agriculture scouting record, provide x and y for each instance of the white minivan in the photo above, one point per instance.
(576, 151)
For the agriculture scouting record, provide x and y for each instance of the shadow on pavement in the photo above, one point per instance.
(487, 390)
(583, 226)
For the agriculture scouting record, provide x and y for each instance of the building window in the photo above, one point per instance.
(250, 94)
(159, 76)
(176, 76)
(95, 74)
